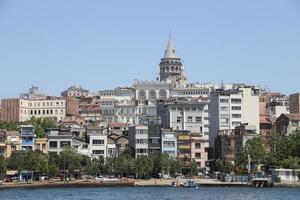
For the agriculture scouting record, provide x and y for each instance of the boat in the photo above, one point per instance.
(261, 180)
(186, 184)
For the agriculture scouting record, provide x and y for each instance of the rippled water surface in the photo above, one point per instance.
(152, 193)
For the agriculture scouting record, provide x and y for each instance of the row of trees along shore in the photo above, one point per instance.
(269, 152)
(71, 164)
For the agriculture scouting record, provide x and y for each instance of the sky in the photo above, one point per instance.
(105, 44)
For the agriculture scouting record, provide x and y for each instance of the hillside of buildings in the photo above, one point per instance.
(167, 126)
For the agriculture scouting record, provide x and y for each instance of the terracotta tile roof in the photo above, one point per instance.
(264, 119)
(117, 125)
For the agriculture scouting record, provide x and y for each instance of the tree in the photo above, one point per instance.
(16, 161)
(194, 168)
(219, 165)
(3, 167)
(69, 160)
(175, 167)
(256, 148)
(143, 166)
(291, 163)
(35, 161)
(161, 164)
(228, 168)
(52, 170)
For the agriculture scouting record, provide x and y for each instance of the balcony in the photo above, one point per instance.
(186, 155)
(184, 146)
(184, 137)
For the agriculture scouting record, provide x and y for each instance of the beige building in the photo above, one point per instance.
(42, 145)
(20, 110)
(9, 142)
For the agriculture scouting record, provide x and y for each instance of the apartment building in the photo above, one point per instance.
(230, 108)
(229, 143)
(97, 140)
(294, 102)
(169, 143)
(188, 115)
(9, 142)
(138, 139)
(27, 137)
(59, 139)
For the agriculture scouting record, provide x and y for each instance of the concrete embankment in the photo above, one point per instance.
(36, 185)
(134, 182)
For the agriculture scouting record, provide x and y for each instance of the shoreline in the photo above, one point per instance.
(132, 183)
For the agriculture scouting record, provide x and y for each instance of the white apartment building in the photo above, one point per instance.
(232, 107)
(138, 139)
(97, 141)
(192, 116)
(97, 145)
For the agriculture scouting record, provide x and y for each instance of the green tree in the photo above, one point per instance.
(256, 148)
(69, 161)
(194, 168)
(16, 161)
(161, 164)
(143, 166)
(3, 167)
(229, 167)
(291, 163)
(219, 165)
(175, 167)
(35, 161)
(52, 170)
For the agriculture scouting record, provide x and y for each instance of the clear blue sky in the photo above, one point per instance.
(105, 44)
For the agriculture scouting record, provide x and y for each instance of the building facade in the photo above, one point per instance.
(169, 143)
(294, 102)
(138, 139)
(230, 108)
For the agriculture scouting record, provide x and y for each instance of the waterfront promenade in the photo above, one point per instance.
(132, 182)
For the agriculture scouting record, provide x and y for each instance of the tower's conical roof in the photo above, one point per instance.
(170, 50)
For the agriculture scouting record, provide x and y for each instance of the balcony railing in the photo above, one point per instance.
(184, 146)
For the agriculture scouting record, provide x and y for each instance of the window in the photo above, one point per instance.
(141, 131)
(64, 144)
(197, 145)
(169, 144)
(53, 144)
(224, 108)
(99, 142)
(190, 118)
(179, 119)
(198, 155)
(85, 146)
(98, 152)
(236, 116)
(141, 141)
(199, 119)
(141, 150)
(236, 100)
(224, 116)
(236, 108)
(223, 100)
(236, 123)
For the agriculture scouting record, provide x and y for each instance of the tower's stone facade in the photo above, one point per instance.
(171, 68)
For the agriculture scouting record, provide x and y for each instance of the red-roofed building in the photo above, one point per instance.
(265, 124)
